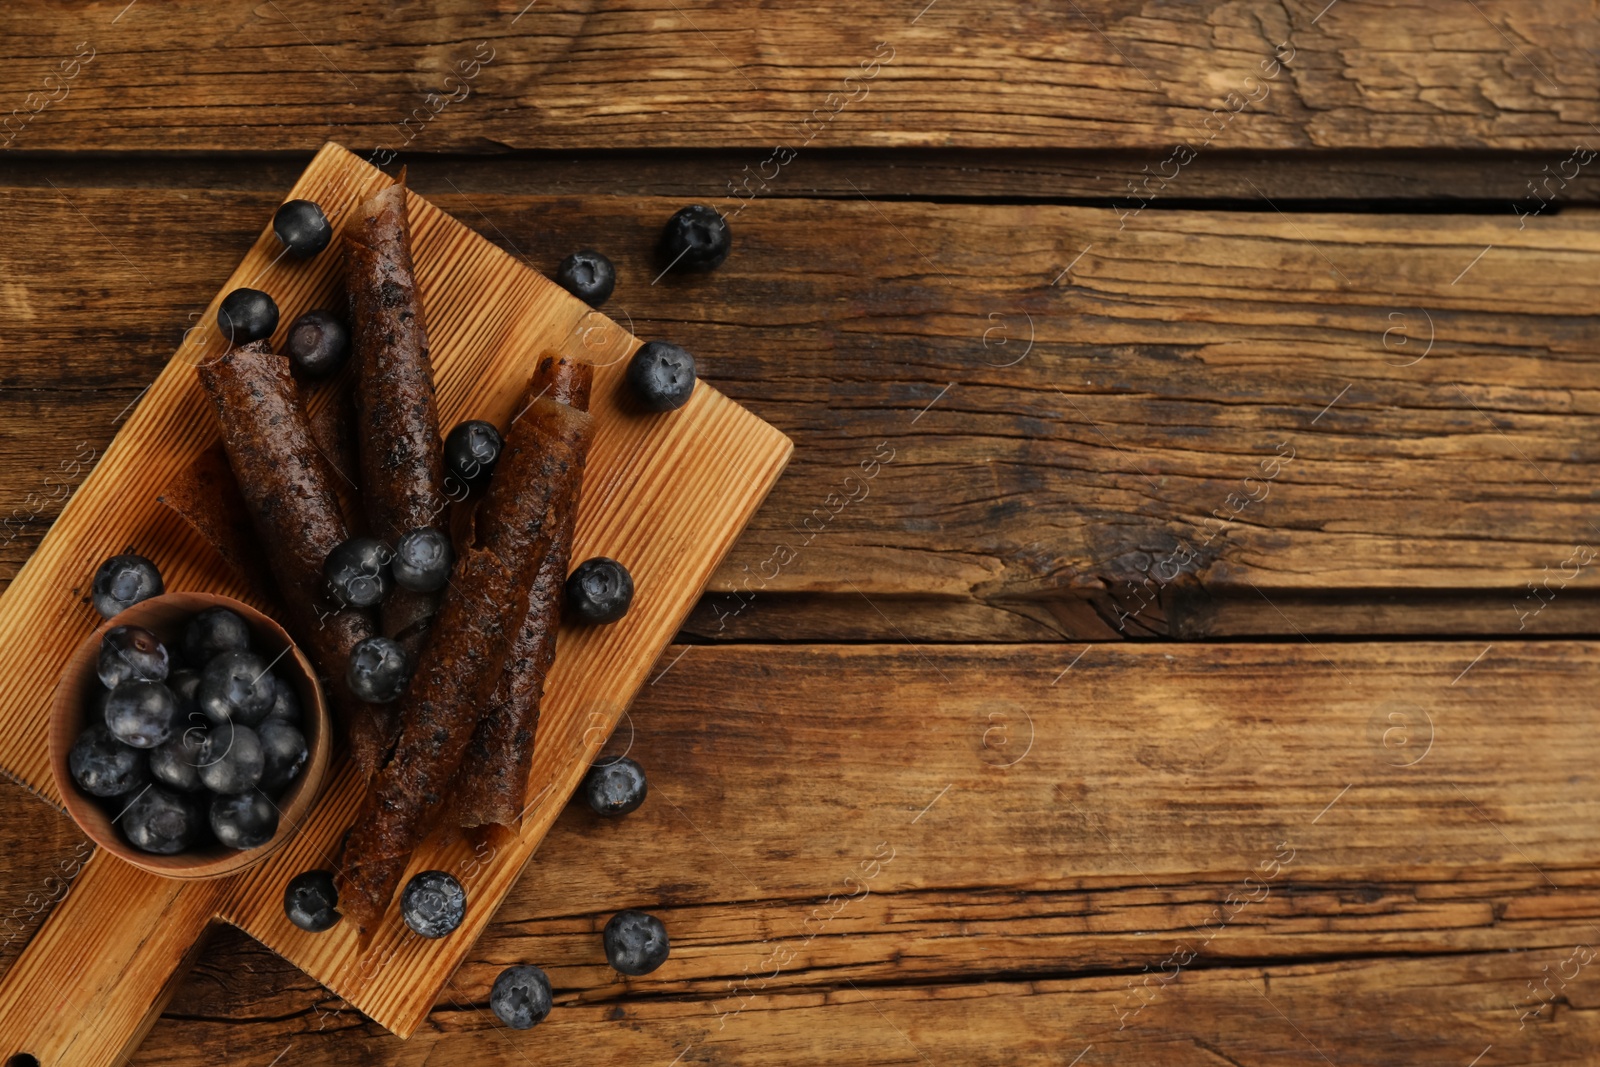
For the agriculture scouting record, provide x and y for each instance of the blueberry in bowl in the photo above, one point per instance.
(178, 777)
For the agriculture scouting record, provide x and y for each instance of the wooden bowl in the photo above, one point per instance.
(165, 616)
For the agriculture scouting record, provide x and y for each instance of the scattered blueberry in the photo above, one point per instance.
(422, 560)
(244, 820)
(122, 581)
(162, 822)
(311, 901)
(318, 343)
(696, 238)
(285, 704)
(141, 713)
(105, 767)
(521, 997)
(231, 759)
(357, 572)
(302, 227)
(283, 748)
(213, 631)
(176, 764)
(471, 451)
(247, 315)
(599, 590)
(236, 687)
(433, 903)
(661, 375)
(636, 943)
(379, 670)
(128, 653)
(587, 275)
(615, 787)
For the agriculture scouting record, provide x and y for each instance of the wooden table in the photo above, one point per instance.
(1172, 640)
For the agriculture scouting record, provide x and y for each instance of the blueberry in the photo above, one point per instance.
(236, 687)
(661, 375)
(696, 238)
(357, 572)
(122, 581)
(302, 227)
(244, 820)
(141, 713)
(283, 748)
(422, 560)
(212, 631)
(471, 451)
(379, 670)
(311, 901)
(285, 703)
(162, 822)
(231, 759)
(128, 653)
(615, 787)
(521, 997)
(105, 767)
(318, 343)
(636, 943)
(176, 764)
(587, 275)
(247, 315)
(599, 590)
(433, 903)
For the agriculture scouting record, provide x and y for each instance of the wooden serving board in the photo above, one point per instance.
(667, 495)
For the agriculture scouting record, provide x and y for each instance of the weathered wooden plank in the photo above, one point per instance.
(1380, 1012)
(1466, 181)
(1175, 355)
(467, 76)
(1416, 835)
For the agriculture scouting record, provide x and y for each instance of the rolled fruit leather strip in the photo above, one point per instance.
(397, 423)
(492, 783)
(460, 665)
(286, 488)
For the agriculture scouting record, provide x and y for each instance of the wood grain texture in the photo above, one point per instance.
(1027, 501)
(1093, 74)
(1432, 876)
(1484, 182)
(668, 495)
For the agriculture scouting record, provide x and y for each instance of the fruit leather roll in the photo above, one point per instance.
(492, 783)
(288, 493)
(402, 471)
(459, 668)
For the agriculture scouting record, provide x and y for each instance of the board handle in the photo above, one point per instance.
(94, 978)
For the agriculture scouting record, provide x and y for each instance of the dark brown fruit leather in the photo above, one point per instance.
(460, 667)
(402, 471)
(287, 491)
